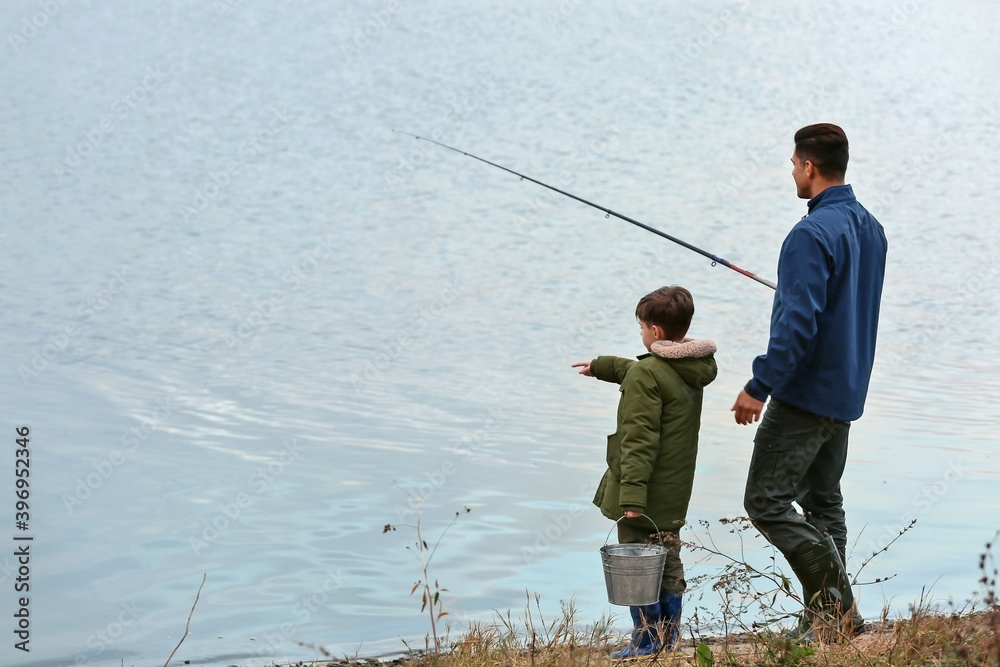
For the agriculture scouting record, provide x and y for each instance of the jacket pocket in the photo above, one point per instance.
(613, 454)
(601, 489)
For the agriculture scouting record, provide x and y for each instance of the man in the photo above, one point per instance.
(816, 370)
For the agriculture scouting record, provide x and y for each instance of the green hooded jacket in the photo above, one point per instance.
(651, 457)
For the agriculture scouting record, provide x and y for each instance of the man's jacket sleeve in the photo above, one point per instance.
(803, 272)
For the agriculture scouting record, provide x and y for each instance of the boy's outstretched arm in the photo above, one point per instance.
(610, 369)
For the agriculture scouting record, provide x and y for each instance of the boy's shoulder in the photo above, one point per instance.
(691, 360)
(652, 367)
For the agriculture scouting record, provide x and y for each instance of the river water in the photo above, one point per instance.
(248, 324)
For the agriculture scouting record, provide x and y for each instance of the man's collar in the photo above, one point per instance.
(832, 194)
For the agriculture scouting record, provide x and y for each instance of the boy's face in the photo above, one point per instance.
(650, 334)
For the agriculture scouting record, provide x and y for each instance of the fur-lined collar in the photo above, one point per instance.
(687, 348)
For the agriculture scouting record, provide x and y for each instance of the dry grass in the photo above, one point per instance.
(927, 637)
(923, 639)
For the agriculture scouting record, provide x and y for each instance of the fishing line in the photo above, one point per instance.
(715, 258)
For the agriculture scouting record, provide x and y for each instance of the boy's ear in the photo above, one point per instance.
(658, 332)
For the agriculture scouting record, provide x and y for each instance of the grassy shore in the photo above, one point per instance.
(715, 636)
(925, 638)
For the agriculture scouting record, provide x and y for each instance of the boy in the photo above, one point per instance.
(651, 456)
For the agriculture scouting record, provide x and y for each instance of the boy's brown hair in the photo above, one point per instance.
(670, 308)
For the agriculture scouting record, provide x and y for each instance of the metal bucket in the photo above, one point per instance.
(633, 572)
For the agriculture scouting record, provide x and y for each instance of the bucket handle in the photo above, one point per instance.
(658, 535)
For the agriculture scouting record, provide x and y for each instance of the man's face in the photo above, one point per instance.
(802, 186)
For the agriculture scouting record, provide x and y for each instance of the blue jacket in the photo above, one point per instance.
(825, 314)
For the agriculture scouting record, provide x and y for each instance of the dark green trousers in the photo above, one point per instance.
(798, 457)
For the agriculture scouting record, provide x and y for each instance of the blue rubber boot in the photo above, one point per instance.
(645, 633)
(670, 615)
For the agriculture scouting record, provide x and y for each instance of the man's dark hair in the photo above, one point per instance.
(825, 145)
(671, 308)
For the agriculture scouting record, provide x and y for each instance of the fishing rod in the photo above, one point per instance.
(715, 258)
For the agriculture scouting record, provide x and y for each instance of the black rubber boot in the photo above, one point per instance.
(857, 620)
(826, 590)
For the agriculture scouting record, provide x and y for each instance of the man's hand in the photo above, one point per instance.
(747, 408)
(584, 367)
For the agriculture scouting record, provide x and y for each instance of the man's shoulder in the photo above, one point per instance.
(815, 228)
(834, 220)
(830, 221)
(838, 202)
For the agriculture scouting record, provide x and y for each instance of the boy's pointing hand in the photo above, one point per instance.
(584, 367)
